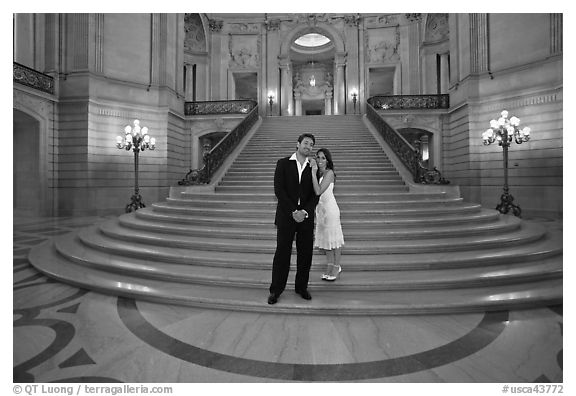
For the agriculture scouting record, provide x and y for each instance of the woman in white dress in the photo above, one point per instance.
(328, 232)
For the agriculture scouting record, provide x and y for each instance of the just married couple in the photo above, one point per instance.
(304, 186)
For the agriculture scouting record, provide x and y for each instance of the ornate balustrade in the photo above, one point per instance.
(410, 102)
(33, 78)
(409, 155)
(219, 107)
(216, 157)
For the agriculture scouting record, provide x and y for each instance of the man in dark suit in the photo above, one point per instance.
(294, 217)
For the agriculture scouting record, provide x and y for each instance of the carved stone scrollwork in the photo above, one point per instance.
(313, 19)
(430, 176)
(413, 17)
(32, 78)
(272, 24)
(352, 20)
(215, 26)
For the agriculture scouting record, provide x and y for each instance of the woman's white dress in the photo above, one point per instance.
(328, 233)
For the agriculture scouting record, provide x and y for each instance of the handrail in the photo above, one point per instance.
(33, 78)
(410, 102)
(409, 155)
(215, 157)
(219, 107)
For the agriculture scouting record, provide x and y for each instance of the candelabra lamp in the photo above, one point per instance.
(354, 98)
(503, 131)
(270, 102)
(135, 139)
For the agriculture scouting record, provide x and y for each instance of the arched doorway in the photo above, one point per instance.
(27, 181)
(312, 65)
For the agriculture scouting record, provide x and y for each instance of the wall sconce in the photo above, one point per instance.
(354, 98)
(503, 131)
(270, 101)
(135, 139)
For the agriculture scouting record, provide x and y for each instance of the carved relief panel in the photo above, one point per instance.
(244, 51)
(383, 45)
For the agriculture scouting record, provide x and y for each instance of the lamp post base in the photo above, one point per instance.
(135, 204)
(506, 203)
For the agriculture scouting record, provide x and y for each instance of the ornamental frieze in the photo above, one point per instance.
(352, 20)
(243, 28)
(313, 19)
(382, 21)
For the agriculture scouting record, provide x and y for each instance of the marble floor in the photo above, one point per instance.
(65, 334)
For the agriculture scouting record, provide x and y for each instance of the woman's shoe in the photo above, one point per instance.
(332, 278)
(324, 276)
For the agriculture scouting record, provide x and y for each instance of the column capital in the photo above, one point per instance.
(340, 59)
(284, 62)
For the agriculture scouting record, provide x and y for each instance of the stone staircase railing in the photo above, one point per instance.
(219, 107)
(410, 102)
(409, 155)
(215, 157)
(33, 78)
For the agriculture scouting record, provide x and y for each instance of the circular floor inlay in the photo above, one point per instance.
(489, 328)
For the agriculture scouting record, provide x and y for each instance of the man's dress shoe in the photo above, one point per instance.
(272, 299)
(304, 294)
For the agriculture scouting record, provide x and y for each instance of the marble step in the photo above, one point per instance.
(342, 196)
(268, 232)
(205, 219)
(525, 234)
(357, 161)
(546, 247)
(337, 154)
(268, 177)
(270, 189)
(349, 280)
(345, 184)
(270, 203)
(325, 301)
(266, 170)
(381, 214)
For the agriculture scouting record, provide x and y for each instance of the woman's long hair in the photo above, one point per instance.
(329, 163)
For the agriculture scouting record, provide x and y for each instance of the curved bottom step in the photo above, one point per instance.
(326, 301)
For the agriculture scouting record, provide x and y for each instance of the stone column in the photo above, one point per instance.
(216, 59)
(339, 91)
(479, 43)
(556, 34)
(297, 103)
(286, 106)
(189, 82)
(328, 103)
(444, 75)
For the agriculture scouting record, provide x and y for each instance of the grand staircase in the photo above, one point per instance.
(405, 252)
